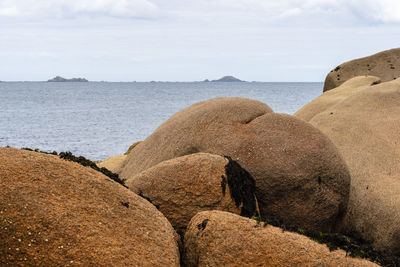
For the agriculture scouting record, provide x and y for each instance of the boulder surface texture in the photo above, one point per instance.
(58, 213)
(365, 126)
(183, 186)
(113, 163)
(300, 176)
(385, 65)
(216, 238)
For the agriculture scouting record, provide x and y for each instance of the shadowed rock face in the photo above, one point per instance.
(184, 186)
(365, 126)
(300, 176)
(216, 238)
(385, 65)
(57, 213)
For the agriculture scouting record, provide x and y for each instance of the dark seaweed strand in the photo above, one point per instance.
(84, 162)
(242, 187)
(353, 245)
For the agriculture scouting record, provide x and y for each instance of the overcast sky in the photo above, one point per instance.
(186, 40)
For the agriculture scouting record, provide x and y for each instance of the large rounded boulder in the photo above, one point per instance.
(218, 238)
(300, 176)
(113, 163)
(332, 97)
(183, 186)
(57, 213)
(385, 65)
(365, 127)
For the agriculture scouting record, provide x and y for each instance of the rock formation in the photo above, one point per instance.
(113, 164)
(57, 213)
(300, 176)
(216, 238)
(183, 186)
(228, 79)
(332, 97)
(385, 65)
(365, 126)
(61, 79)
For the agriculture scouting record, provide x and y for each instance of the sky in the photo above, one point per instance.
(190, 40)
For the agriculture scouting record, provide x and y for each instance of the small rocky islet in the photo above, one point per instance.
(225, 182)
(62, 79)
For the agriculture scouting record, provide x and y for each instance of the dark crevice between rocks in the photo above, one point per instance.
(140, 193)
(242, 187)
(84, 162)
(352, 243)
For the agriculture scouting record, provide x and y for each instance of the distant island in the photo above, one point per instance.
(226, 79)
(61, 79)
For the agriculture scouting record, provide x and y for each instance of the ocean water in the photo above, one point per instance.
(101, 119)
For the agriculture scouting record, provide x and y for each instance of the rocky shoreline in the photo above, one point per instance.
(224, 182)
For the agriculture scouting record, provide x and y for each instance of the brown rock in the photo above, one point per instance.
(216, 238)
(334, 96)
(132, 147)
(113, 163)
(116, 163)
(57, 213)
(300, 176)
(385, 65)
(366, 127)
(183, 186)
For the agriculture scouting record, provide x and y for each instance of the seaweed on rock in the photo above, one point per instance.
(84, 162)
(353, 245)
(242, 187)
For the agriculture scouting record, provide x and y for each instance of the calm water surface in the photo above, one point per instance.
(98, 120)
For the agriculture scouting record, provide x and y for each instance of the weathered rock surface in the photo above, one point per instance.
(385, 65)
(116, 163)
(183, 186)
(57, 213)
(365, 127)
(113, 163)
(216, 238)
(300, 176)
(332, 97)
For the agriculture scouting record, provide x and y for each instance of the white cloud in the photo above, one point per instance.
(73, 8)
(384, 11)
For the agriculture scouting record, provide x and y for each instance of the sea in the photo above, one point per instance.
(101, 119)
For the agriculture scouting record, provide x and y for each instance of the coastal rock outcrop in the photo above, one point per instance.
(300, 176)
(365, 126)
(61, 79)
(55, 212)
(116, 163)
(113, 163)
(332, 97)
(216, 238)
(385, 65)
(228, 79)
(183, 186)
